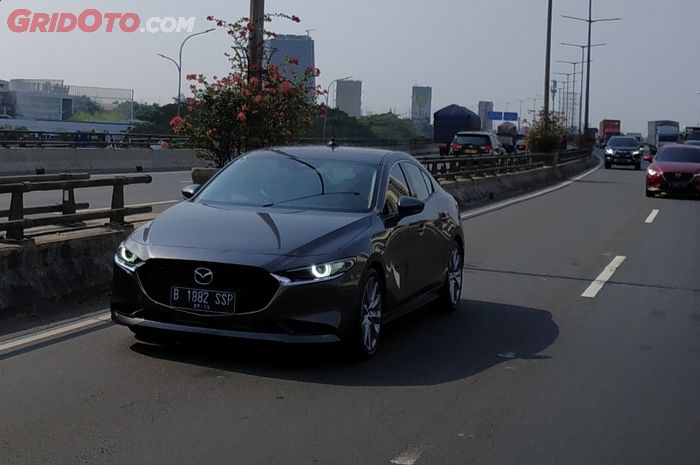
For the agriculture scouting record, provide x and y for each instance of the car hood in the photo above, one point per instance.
(677, 167)
(249, 230)
(630, 148)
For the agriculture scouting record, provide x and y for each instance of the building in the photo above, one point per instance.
(281, 49)
(484, 108)
(52, 100)
(421, 109)
(348, 97)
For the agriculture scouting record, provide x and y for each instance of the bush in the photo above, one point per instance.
(548, 134)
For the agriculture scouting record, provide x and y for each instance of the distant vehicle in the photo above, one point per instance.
(476, 143)
(608, 128)
(636, 135)
(521, 145)
(692, 133)
(623, 150)
(451, 120)
(663, 132)
(507, 133)
(674, 171)
(92, 140)
(6, 117)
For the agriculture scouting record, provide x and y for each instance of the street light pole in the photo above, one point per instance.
(573, 86)
(548, 54)
(590, 22)
(255, 43)
(583, 60)
(328, 93)
(567, 97)
(178, 65)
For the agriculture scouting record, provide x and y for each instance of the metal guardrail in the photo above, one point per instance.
(18, 222)
(452, 167)
(82, 139)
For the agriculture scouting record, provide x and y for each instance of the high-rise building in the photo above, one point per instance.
(484, 109)
(348, 97)
(421, 105)
(284, 47)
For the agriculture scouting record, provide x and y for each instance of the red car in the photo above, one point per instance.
(675, 170)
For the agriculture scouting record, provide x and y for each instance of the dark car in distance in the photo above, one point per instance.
(674, 170)
(623, 150)
(296, 244)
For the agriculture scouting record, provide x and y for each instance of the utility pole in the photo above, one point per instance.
(548, 54)
(590, 22)
(573, 86)
(255, 45)
(583, 60)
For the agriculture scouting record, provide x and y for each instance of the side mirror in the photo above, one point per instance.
(190, 191)
(409, 206)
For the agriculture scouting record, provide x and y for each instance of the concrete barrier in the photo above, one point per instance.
(18, 161)
(57, 267)
(478, 192)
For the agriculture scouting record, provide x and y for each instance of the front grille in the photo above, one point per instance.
(254, 287)
(678, 177)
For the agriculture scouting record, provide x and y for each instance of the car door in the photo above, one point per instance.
(399, 241)
(428, 249)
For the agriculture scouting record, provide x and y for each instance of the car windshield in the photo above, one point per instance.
(472, 139)
(679, 154)
(274, 179)
(693, 142)
(668, 137)
(623, 142)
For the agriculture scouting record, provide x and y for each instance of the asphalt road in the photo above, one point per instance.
(527, 372)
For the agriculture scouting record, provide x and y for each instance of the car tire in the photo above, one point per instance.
(608, 165)
(364, 341)
(651, 194)
(452, 290)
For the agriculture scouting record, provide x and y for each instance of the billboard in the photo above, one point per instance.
(421, 104)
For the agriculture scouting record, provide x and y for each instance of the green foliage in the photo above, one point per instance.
(384, 126)
(242, 112)
(548, 134)
(153, 119)
(106, 116)
(390, 126)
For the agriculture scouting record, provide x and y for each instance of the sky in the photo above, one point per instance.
(466, 50)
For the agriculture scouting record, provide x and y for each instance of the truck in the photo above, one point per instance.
(692, 133)
(607, 129)
(449, 121)
(662, 132)
(507, 133)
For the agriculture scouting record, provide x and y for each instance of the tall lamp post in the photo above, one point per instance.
(178, 65)
(328, 93)
(573, 87)
(590, 22)
(547, 63)
(583, 60)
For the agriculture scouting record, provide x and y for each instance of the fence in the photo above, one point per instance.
(18, 222)
(453, 167)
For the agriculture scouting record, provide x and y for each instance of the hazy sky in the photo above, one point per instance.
(467, 50)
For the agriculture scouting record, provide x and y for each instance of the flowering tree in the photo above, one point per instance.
(236, 113)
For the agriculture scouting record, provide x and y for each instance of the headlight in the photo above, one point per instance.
(637, 152)
(316, 273)
(127, 259)
(609, 151)
(652, 172)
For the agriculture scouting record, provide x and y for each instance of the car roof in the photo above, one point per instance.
(474, 133)
(680, 146)
(359, 154)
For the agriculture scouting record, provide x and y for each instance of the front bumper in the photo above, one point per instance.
(313, 313)
(628, 160)
(661, 185)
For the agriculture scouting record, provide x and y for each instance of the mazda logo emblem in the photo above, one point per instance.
(678, 175)
(203, 276)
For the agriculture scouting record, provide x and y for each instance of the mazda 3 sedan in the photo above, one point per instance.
(298, 244)
(674, 170)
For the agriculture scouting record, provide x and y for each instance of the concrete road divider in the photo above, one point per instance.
(19, 161)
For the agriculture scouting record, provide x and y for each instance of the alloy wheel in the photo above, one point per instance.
(371, 314)
(455, 274)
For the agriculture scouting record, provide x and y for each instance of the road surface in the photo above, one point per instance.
(577, 342)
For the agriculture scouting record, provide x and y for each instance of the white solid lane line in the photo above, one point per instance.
(53, 332)
(603, 278)
(652, 216)
(410, 456)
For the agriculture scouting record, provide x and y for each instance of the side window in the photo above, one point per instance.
(415, 181)
(428, 182)
(397, 187)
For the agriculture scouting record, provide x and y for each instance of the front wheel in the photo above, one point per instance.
(452, 290)
(365, 340)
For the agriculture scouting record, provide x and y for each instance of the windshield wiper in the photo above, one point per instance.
(322, 194)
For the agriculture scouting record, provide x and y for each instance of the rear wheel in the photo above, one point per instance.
(608, 165)
(452, 290)
(365, 340)
(651, 193)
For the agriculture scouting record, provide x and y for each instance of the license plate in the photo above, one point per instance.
(203, 300)
(679, 185)
(470, 152)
